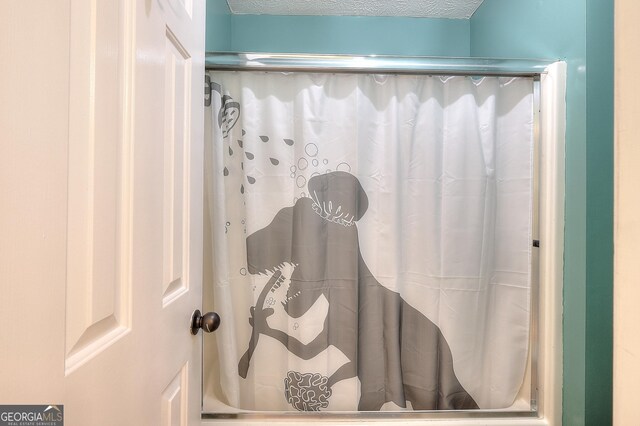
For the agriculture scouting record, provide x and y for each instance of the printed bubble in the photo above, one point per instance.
(302, 163)
(311, 149)
(301, 181)
(343, 167)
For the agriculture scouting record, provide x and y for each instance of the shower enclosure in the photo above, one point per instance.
(372, 235)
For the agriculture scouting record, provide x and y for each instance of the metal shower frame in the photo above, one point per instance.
(383, 64)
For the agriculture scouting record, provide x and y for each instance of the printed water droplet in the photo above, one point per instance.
(242, 166)
(240, 143)
(288, 142)
(274, 161)
(264, 138)
(242, 189)
(230, 151)
(251, 180)
(249, 155)
(225, 172)
(243, 132)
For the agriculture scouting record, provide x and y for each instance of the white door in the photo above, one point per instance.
(134, 253)
(113, 219)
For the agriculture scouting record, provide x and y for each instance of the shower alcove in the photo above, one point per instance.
(275, 226)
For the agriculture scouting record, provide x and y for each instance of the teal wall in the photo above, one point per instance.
(334, 34)
(218, 33)
(579, 32)
(599, 306)
(350, 34)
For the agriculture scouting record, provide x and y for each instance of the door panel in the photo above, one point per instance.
(174, 400)
(98, 296)
(177, 118)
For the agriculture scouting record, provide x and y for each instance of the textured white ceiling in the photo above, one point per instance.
(461, 9)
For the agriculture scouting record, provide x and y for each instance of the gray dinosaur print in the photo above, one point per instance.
(397, 353)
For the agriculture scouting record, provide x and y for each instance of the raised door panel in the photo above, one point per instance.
(98, 287)
(175, 400)
(177, 119)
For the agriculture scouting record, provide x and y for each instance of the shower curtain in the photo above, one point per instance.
(371, 239)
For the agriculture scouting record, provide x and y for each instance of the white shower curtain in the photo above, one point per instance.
(371, 239)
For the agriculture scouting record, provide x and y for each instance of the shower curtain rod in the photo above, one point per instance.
(374, 64)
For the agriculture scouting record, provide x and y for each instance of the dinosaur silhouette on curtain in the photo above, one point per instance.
(396, 352)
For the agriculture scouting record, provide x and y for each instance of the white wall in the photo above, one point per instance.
(34, 101)
(626, 368)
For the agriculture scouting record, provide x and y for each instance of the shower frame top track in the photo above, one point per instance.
(374, 64)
